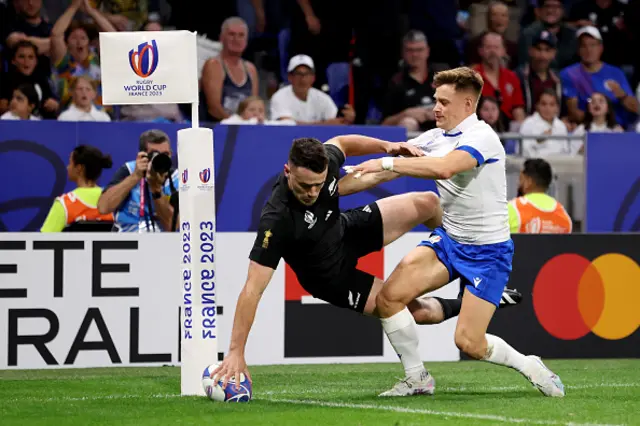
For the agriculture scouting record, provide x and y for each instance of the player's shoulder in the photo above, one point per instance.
(481, 131)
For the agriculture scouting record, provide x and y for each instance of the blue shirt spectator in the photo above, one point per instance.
(581, 80)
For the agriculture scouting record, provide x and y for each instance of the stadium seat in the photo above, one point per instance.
(338, 79)
(283, 48)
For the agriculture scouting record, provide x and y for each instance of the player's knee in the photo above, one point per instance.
(410, 124)
(469, 343)
(427, 203)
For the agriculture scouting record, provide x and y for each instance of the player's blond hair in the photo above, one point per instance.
(462, 78)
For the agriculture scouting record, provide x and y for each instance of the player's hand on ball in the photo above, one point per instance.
(404, 148)
(370, 166)
(231, 367)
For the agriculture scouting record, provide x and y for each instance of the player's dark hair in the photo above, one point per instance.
(92, 159)
(540, 171)
(310, 154)
(153, 136)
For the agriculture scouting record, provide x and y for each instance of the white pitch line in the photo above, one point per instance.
(475, 416)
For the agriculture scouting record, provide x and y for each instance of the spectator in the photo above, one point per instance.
(581, 80)
(608, 17)
(70, 51)
(228, 79)
(253, 111)
(125, 15)
(28, 25)
(138, 193)
(82, 107)
(550, 13)
(409, 101)
(598, 118)
(489, 112)
(497, 22)
(545, 122)
(84, 169)
(24, 70)
(500, 82)
(24, 103)
(535, 212)
(302, 102)
(536, 76)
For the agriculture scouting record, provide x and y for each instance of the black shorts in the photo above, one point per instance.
(349, 287)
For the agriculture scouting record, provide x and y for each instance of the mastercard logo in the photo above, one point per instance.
(573, 296)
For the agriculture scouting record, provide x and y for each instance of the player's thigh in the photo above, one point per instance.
(419, 272)
(473, 321)
(402, 213)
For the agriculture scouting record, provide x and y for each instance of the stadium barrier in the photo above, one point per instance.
(100, 300)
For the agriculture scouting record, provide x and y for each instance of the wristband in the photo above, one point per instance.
(387, 163)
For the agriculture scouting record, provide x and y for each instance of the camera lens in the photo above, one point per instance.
(160, 163)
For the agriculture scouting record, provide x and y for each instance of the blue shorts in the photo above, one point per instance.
(483, 269)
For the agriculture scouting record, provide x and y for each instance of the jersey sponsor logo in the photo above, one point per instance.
(435, 239)
(265, 241)
(310, 219)
(366, 209)
(333, 186)
(326, 218)
(477, 281)
(353, 303)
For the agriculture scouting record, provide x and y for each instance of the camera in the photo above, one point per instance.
(160, 163)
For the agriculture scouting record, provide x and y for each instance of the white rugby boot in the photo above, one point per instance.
(545, 380)
(425, 384)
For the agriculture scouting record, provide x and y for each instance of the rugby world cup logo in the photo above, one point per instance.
(185, 176)
(205, 175)
(144, 61)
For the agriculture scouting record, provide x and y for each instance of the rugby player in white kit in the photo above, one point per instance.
(467, 161)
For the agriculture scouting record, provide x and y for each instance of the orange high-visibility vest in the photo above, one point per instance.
(536, 220)
(77, 210)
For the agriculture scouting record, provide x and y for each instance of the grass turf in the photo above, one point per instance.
(598, 392)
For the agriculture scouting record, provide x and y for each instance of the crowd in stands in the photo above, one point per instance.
(551, 67)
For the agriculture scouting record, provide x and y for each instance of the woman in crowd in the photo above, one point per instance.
(24, 104)
(489, 112)
(71, 54)
(84, 169)
(599, 118)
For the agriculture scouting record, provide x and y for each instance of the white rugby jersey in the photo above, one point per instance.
(474, 202)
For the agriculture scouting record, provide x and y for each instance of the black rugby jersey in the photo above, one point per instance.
(308, 238)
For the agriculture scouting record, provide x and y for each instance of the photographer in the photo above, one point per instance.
(140, 190)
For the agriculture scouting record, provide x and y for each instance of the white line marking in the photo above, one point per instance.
(395, 409)
(317, 390)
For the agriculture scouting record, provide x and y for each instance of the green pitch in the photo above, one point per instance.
(598, 392)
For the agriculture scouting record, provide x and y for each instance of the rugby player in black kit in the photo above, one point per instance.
(302, 223)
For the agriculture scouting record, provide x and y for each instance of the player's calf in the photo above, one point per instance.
(470, 343)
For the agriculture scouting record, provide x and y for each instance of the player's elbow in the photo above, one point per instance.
(444, 173)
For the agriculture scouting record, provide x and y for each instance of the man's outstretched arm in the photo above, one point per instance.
(350, 185)
(354, 145)
(234, 363)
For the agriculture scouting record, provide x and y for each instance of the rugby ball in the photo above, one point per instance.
(230, 393)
